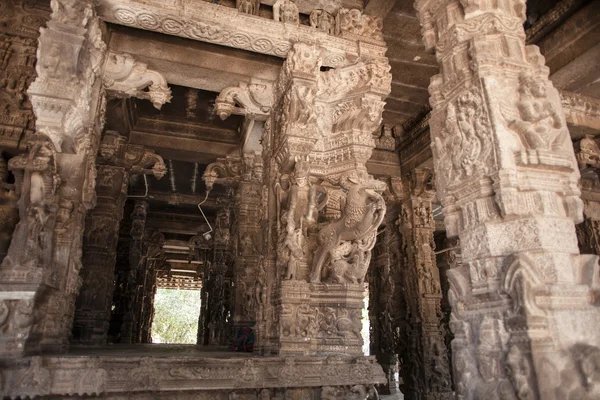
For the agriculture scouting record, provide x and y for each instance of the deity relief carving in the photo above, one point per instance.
(286, 11)
(362, 214)
(536, 119)
(37, 180)
(323, 21)
(248, 6)
(304, 201)
(463, 145)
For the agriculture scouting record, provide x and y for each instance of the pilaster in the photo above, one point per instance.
(507, 178)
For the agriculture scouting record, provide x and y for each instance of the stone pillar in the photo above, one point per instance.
(426, 372)
(248, 214)
(155, 261)
(93, 306)
(137, 260)
(216, 323)
(117, 160)
(384, 306)
(55, 181)
(524, 313)
(9, 214)
(588, 157)
(323, 207)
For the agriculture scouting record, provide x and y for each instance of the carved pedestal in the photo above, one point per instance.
(523, 302)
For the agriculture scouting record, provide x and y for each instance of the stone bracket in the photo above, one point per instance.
(125, 77)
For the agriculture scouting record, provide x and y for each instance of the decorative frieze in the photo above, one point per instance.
(227, 26)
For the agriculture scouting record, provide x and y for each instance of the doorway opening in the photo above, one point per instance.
(176, 315)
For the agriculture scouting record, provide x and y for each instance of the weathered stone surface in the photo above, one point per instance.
(508, 182)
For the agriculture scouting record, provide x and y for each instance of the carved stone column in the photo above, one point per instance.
(588, 158)
(323, 207)
(9, 214)
(93, 308)
(137, 260)
(426, 369)
(216, 324)
(55, 181)
(385, 308)
(524, 303)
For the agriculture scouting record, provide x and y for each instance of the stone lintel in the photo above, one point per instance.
(228, 27)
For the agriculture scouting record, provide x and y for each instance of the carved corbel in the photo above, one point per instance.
(252, 100)
(126, 77)
(138, 159)
(224, 171)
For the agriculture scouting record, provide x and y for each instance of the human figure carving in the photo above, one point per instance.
(286, 11)
(37, 180)
(301, 214)
(538, 122)
(363, 213)
(246, 6)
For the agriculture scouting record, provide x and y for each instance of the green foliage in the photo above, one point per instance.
(176, 315)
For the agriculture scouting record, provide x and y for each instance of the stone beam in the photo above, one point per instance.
(581, 112)
(225, 26)
(184, 149)
(191, 63)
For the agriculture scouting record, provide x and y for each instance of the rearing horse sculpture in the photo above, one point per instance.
(363, 213)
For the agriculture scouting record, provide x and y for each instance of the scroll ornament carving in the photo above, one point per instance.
(128, 78)
(249, 99)
(286, 11)
(37, 180)
(363, 213)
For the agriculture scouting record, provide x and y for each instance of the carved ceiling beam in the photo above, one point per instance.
(581, 110)
(228, 27)
(125, 77)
